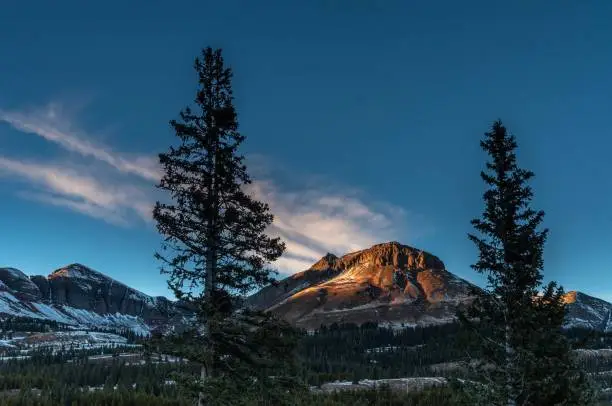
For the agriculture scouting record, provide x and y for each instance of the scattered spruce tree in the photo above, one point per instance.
(215, 232)
(525, 360)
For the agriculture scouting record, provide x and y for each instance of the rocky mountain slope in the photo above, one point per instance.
(79, 296)
(589, 312)
(391, 284)
(387, 283)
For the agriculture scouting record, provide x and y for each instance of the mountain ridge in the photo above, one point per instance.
(361, 287)
(388, 283)
(81, 296)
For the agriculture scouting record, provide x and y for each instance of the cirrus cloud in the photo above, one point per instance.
(311, 217)
(313, 222)
(60, 186)
(50, 125)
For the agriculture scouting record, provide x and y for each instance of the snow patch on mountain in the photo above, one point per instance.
(108, 321)
(11, 306)
(148, 301)
(52, 313)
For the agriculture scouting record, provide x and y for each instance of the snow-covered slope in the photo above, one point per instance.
(11, 306)
(78, 296)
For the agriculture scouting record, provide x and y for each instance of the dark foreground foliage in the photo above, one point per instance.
(434, 396)
(72, 397)
(124, 396)
(525, 359)
(215, 248)
(338, 352)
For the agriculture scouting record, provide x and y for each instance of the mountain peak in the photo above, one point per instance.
(77, 270)
(387, 282)
(397, 255)
(74, 266)
(16, 280)
(14, 272)
(327, 262)
(391, 253)
(389, 244)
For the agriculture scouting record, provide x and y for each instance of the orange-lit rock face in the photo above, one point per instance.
(360, 287)
(433, 284)
(570, 297)
(60, 273)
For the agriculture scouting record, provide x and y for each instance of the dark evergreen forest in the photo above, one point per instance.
(334, 353)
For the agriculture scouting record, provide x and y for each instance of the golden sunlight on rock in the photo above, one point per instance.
(570, 297)
(388, 282)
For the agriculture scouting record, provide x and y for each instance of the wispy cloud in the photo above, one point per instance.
(50, 125)
(313, 218)
(66, 187)
(80, 206)
(313, 222)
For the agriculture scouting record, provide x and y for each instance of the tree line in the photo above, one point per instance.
(9, 325)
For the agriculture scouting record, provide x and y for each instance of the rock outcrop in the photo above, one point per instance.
(20, 283)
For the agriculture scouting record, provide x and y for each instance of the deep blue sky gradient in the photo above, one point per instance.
(388, 97)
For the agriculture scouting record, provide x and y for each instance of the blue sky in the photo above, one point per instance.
(363, 120)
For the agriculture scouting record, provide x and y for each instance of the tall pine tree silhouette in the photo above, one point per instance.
(526, 358)
(215, 248)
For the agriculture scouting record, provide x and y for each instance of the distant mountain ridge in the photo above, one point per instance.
(80, 296)
(391, 284)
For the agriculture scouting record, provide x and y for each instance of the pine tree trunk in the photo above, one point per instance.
(203, 376)
(207, 369)
(511, 397)
(211, 267)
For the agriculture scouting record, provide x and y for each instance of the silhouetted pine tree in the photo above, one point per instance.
(526, 358)
(214, 229)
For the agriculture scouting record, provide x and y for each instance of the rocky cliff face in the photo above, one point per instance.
(81, 287)
(387, 283)
(78, 294)
(20, 283)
